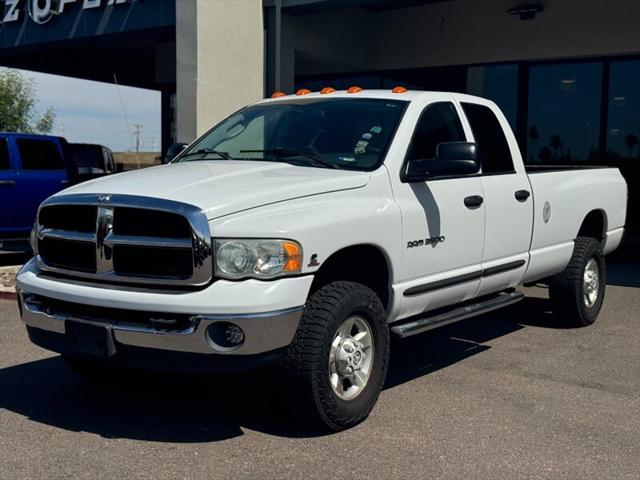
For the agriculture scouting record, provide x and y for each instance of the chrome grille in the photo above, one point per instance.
(124, 238)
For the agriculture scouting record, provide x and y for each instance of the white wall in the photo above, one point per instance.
(220, 61)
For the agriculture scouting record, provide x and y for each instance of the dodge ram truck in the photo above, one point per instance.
(304, 231)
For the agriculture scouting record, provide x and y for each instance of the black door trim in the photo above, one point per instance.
(447, 282)
(458, 279)
(505, 267)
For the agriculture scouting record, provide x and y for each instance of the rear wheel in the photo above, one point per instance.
(577, 292)
(338, 359)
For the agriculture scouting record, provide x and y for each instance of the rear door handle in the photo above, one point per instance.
(522, 195)
(474, 201)
(7, 183)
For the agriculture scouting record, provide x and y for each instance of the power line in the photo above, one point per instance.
(124, 113)
(138, 127)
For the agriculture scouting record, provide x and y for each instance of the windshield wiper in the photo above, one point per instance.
(283, 152)
(205, 151)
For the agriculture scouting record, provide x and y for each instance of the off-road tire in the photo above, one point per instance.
(307, 360)
(566, 289)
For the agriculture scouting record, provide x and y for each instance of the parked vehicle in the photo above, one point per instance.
(32, 167)
(93, 160)
(308, 229)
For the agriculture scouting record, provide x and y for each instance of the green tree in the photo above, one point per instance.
(18, 98)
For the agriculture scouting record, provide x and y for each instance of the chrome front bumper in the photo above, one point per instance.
(263, 332)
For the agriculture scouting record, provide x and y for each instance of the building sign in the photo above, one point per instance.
(42, 11)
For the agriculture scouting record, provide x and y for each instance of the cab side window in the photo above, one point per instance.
(4, 155)
(439, 123)
(493, 148)
(39, 155)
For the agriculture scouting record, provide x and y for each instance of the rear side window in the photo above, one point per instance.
(39, 154)
(493, 149)
(439, 123)
(4, 154)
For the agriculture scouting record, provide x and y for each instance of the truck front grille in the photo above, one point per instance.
(76, 218)
(80, 256)
(149, 223)
(124, 238)
(171, 262)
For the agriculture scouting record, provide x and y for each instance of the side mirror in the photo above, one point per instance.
(452, 159)
(173, 151)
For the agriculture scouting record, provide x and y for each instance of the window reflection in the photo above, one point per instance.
(498, 83)
(564, 113)
(623, 126)
(623, 131)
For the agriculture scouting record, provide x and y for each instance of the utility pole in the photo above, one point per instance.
(137, 135)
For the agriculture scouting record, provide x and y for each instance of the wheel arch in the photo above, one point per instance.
(364, 263)
(594, 225)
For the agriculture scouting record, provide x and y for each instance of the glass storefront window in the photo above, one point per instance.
(498, 83)
(623, 126)
(564, 113)
(623, 130)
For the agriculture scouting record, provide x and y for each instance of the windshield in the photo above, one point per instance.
(351, 134)
(88, 155)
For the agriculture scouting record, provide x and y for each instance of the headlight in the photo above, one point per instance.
(242, 258)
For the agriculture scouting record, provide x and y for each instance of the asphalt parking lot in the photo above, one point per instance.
(507, 395)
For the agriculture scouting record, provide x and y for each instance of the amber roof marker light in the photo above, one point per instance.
(278, 94)
(399, 89)
(354, 89)
(303, 91)
(327, 90)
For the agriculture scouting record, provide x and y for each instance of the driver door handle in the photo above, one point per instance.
(474, 201)
(522, 195)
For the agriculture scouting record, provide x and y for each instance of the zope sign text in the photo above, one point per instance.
(41, 11)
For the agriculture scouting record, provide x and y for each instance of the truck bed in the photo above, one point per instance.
(563, 197)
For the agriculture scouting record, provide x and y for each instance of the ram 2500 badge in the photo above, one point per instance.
(307, 229)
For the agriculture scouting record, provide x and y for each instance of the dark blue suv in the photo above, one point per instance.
(32, 167)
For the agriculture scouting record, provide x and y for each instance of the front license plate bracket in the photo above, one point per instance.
(90, 338)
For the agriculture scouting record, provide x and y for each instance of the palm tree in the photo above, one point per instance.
(534, 136)
(555, 142)
(631, 141)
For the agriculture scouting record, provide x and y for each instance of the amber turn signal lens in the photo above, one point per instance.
(354, 90)
(326, 90)
(278, 94)
(399, 90)
(303, 91)
(294, 257)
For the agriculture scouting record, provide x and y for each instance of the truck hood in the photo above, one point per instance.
(222, 187)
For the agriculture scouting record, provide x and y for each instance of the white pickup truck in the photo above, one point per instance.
(307, 229)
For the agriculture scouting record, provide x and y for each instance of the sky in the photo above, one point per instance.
(91, 112)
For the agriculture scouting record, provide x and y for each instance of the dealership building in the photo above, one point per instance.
(565, 72)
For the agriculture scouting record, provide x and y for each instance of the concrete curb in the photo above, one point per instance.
(8, 281)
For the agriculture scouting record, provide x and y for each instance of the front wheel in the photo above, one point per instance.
(339, 356)
(577, 292)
